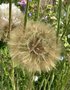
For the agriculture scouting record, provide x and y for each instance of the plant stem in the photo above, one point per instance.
(12, 77)
(26, 15)
(10, 11)
(59, 16)
(38, 9)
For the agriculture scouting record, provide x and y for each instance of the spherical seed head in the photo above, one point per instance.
(17, 18)
(36, 49)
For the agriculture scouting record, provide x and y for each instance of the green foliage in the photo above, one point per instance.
(16, 78)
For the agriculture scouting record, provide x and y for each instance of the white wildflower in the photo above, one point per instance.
(35, 78)
(61, 58)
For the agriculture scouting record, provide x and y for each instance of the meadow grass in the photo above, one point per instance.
(16, 78)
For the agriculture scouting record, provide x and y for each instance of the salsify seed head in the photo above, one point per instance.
(36, 49)
(16, 19)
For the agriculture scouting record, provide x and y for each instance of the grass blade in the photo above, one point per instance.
(59, 16)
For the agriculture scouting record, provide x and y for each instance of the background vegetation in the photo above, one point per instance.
(56, 13)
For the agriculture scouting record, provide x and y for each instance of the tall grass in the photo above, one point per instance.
(59, 16)
(67, 20)
(38, 8)
(15, 78)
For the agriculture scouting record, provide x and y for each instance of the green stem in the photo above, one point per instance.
(2, 75)
(67, 21)
(38, 9)
(10, 11)
(12, 77)
(59, 16)
(26, 15)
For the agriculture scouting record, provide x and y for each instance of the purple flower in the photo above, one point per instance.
(22, 3)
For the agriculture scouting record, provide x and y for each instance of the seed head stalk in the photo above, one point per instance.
(26, 15)
(10, 20)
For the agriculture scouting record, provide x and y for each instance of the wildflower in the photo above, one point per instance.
(61, 58)
(35, 78)
(22, 3)
(30, 14)
(36, 49)
(65, 14)
(53, 18)
(45, 18)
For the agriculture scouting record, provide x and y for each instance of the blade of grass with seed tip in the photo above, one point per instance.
(10, 9)
(26, 15)
(59, 16)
